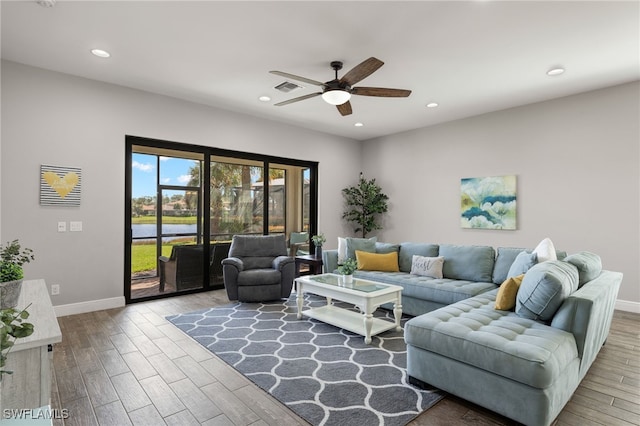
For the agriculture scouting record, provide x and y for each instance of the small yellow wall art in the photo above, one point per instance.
(60, 186)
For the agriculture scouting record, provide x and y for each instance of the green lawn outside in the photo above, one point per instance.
(143, 256)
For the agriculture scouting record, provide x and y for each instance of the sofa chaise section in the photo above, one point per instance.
(521, 368)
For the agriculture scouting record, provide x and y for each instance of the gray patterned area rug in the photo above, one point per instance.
(327, 375)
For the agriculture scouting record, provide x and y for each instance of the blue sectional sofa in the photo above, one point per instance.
(524, 363)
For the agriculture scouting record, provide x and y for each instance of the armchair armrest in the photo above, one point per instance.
(282, 261)
(164, 259)
(233, 261)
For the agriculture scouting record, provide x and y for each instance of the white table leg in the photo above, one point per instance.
(368, 323)
(397, 312)
(299, 298)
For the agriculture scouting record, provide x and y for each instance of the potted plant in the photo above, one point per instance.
(12, 257)
(318, 241)
(364, 203)
(347, 269)
(12, 327)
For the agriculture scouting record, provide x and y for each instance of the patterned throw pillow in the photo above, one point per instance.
(427, 266)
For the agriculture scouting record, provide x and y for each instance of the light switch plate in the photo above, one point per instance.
(75, 226)
(62, 226)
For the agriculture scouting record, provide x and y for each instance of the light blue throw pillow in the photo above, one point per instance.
(504, 259)
(544, 287)
(523, 262)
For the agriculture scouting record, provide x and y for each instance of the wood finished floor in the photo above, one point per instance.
(130, 366)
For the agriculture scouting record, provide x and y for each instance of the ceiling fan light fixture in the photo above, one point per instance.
(336, 96)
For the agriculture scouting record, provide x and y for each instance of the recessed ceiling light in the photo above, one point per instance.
(358, 124)
(432, 105)
(264, 98)
(555, 71)
(100, 53)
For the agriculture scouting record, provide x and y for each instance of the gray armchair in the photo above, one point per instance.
(258, 268)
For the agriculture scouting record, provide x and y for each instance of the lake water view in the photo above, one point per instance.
(148, 230)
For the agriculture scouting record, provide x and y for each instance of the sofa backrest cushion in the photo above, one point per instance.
(258, 245)
(362, 244)
(472, 263)
(504, 260)
(544, 287)
(387, 247)
(407, 250)
(589, 266)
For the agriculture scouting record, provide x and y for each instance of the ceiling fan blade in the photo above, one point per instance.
(380, 91)
(361, 71)
(345, 108)
(297, 77)
(301, 98)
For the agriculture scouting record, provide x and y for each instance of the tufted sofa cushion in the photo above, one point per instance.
(474, 333)
(442, 291)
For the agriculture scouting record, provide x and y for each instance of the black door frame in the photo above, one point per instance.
(208, 152)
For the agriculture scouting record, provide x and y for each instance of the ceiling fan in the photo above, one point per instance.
(338, 91)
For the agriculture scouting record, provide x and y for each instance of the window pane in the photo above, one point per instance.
(179, 172)
(277, 200)
(236, 199)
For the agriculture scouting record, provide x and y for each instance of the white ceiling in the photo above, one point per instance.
(471, 57)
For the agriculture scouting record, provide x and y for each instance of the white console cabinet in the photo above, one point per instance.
(30, 384)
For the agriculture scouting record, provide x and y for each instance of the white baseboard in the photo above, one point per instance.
(89, 306)
(628, 306)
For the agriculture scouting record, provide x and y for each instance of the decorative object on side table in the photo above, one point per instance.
(12, 327)
(318, 242)
(347, 269)
(364, 203)
(12, 257)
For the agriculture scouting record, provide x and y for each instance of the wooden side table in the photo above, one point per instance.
(314, 263)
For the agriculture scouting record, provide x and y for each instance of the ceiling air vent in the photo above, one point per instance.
(287, 87)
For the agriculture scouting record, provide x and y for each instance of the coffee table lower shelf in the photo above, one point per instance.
(354, 322)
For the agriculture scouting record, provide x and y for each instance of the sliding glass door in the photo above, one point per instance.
(185, 203)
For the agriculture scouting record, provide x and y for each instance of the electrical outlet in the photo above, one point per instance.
(55, 289)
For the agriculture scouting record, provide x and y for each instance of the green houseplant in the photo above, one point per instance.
(12, 327)
(12, 257)
(318, 242)
(365, 202)
(347, 269)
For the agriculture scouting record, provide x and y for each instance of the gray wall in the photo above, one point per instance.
(576, 159)
(57, 119)
(577, 164)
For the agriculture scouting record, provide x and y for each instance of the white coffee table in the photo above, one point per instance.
(366, 295)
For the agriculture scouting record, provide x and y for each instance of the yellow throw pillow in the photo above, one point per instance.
(385, 262)
(506, 298)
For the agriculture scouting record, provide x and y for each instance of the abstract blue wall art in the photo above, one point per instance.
(488, 202)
